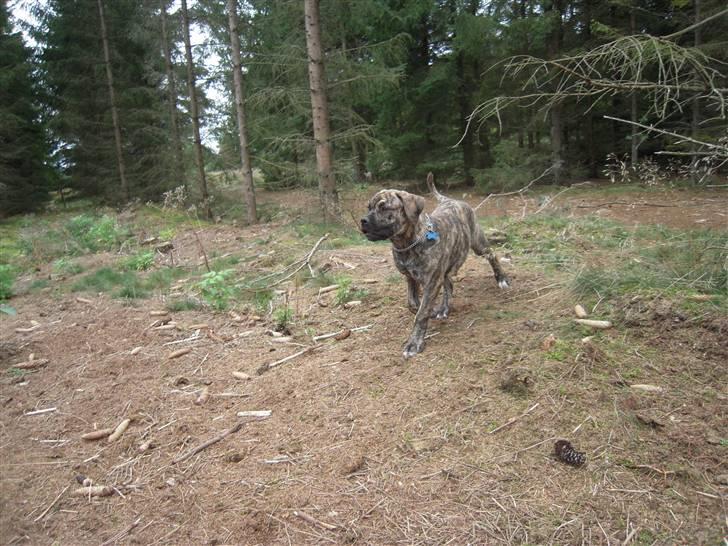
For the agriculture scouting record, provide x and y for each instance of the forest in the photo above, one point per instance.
(202, 343)
(111, 100)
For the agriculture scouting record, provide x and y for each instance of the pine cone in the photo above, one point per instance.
(566, 453)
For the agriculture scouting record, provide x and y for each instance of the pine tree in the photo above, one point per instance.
(24, 172)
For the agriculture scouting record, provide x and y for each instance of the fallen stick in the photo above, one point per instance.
(327, 289)
(51, 505)
(514, 419)
(265, 367)
(158, 313)
(598, 324)
(79, 299)
(27, 330)
(193, 337)
(121, 534)
(334, 334)
(118, 431)
(32, 364)
(313, 521)
(40, 411)
(630, 536)
(97, 434)
(179, 352)
(207, 444)
(258, 414)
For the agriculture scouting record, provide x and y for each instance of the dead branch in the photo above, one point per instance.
(313, 521)
(339, 332)
(265, 367)
(517, 192)
(208, 443)
(51, 505)
(298, 265)
(514, 419)
(179, 352)
(721, 149)
(121, 534)
(202, 250)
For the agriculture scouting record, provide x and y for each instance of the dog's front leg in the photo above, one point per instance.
(416, 342)
(413, 294)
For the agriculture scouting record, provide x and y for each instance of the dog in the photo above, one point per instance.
(428, 249)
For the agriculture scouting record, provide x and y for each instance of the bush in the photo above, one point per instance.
(141, 261)
(7, 279)
(215, 288)
(513, 167)
(95, 234)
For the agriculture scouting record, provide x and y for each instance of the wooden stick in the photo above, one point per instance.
(93, 491)
(40, 411)
(514, 419)
(51, 505)
(121, 534)
(207, 444)
(313, 521)
(265, 367)
(334, 334)
(31, 364)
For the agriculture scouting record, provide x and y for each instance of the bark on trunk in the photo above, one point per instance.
(319, 106)
(557, 129)
(695, 122)
(247, 171)
(634, 136)
(172, 99)
(194, 113)
(112, 101)
(464, 87)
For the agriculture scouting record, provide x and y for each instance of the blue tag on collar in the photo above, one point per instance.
(431, 235)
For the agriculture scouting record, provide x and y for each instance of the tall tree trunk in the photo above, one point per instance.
(695, 121)
(172, 99)
(247, 171)
(320, 109)
(463, 94)
(194, 112)
(634, 138)
(112, 100)
(557, 129)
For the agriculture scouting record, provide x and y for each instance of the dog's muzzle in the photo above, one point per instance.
(373, 232)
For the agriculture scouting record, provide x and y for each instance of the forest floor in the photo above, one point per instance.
(455, 445)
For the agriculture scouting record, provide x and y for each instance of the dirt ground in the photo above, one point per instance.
(454, 446)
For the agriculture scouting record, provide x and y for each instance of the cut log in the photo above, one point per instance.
(598, 324)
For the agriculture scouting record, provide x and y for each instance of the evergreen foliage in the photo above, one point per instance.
(25, 177)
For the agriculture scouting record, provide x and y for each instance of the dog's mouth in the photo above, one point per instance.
(375, 235)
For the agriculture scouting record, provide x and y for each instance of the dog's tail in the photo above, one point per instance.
(433, 189)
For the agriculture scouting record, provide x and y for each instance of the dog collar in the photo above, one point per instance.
(429, 235)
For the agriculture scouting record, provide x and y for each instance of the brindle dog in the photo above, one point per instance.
(428, 249)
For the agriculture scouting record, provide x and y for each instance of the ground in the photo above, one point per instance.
(452, 446)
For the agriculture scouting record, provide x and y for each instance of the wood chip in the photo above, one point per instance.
(352, 304)
(97, 434)
(32, 364)
(27, 330)
(179, 352)
(580, 312)
(258, 414)
(158, 313)
(242, 376)
(548, 342)
(79, 299)
(135, 351)
(203, 397)
(598, 324)
(118, 431)
(647, 388)
(343, 335)
(200, 326)
(93, 491)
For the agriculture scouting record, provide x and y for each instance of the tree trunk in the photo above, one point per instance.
(320, 109)
(247, 171)
(172, 90)
(557, 129)
(634, 138)
(695, 121)
(194, 113)
(463, 92)
(112, 100)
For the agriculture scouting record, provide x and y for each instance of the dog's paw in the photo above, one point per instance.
(440, 313)
(413, 347)
(503, 284)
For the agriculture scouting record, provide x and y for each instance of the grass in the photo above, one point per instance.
(140, 262)
(183, 304)
(126, 283)
(7, 279)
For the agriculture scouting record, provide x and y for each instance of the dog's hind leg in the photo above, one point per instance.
(481, 248)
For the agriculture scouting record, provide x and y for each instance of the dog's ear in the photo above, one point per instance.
(413, 205)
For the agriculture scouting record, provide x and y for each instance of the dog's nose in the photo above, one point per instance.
(364, 222)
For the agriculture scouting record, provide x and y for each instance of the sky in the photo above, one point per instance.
(20, 12)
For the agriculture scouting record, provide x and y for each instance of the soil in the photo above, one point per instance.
(453, 446)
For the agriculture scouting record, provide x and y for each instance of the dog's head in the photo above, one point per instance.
(391, 213)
